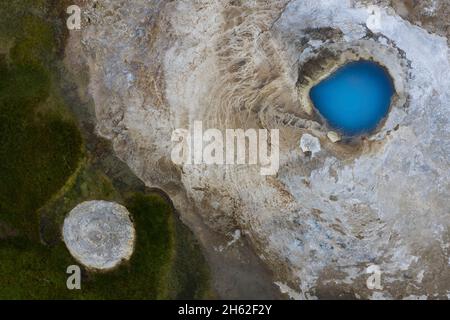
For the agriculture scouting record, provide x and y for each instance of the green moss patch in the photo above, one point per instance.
(37, 154)
(34, 271)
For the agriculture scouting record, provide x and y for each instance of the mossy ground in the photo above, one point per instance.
(30, 270)
(45, 170)
(40, 143)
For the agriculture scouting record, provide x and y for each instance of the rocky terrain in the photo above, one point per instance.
(335, 207)
(99, 234)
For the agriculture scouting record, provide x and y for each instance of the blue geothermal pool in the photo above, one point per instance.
(355, 98)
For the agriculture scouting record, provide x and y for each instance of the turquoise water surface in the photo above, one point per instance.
(355, 98)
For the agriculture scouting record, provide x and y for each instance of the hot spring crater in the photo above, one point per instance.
(337, 206)
(355, 98)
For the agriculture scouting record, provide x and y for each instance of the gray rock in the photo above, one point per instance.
(99, 234)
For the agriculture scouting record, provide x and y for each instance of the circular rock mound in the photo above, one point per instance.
(99, 234)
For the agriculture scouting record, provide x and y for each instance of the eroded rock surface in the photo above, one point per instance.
(99, 234)
(155, 66)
